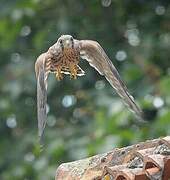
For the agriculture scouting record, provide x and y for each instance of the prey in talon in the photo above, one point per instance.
(63, 58)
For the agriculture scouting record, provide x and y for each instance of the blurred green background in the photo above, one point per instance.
(85, 116)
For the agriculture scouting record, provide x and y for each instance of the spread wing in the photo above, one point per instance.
(97, 58)
(41, 76)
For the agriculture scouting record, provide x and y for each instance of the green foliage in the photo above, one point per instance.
(85, 115)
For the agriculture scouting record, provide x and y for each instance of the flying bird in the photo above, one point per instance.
(63, 58)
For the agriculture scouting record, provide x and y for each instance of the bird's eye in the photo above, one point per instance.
(71, 38)
(60, 41)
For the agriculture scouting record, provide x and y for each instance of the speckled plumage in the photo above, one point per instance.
(63, 58)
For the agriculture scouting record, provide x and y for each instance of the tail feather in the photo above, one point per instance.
(66, 70)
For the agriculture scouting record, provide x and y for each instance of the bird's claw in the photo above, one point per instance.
(59, 75)
(73, 71)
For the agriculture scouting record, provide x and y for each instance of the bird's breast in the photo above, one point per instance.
(64, 59)
(70, 56)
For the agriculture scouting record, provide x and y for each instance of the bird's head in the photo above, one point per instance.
(66, 42)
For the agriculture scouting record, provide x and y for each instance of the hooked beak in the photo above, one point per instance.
(67, 43)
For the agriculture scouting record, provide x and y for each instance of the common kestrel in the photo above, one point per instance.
(63, 58)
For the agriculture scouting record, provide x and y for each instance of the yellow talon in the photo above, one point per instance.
(73, 76)
(107, 177)
(59, 75)
(73, 71)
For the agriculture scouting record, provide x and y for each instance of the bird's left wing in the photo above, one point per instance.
(97, 58)
(41, 76)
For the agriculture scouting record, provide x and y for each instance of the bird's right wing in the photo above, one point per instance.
(41, 76)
